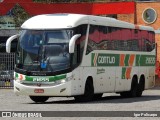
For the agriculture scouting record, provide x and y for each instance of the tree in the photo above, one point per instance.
(19, 15)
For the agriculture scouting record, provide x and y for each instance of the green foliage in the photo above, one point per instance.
(19, 15)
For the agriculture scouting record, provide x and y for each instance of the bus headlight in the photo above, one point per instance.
(60, 81)
(63, 80)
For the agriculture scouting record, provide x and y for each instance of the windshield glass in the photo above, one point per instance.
(43, 50)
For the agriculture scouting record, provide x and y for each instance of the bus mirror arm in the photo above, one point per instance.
(72, 42)
(8, 43)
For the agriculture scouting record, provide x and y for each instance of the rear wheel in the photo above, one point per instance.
(134, 86)
(140, 87)
(124, 94)
(39, 98)
(88, 92)
(133, 91)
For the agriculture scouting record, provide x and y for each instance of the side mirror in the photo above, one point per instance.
(72, 42)
(8, 43)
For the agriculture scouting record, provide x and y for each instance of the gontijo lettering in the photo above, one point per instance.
(102, 59)
(106, 59)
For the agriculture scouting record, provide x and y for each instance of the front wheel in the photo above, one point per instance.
(88, 92)
(39, 98)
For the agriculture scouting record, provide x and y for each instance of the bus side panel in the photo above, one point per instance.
(124, 77)
(150, 80)
(105, 79)
(110, 79)
(103, 76)
(76, 81)
(149, 73)
(120, 80)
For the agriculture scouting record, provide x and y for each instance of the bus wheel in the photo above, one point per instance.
(140, 87)
(124, 94)
(97, 96)
(133, 91)
(39, 98)
(88, 92)
(134, 86)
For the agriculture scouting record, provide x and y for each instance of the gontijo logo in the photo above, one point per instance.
(106, 60)
(101, 59)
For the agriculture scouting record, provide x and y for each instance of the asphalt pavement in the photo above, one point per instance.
(110, 106)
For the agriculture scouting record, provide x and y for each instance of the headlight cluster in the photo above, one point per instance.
(63, 80)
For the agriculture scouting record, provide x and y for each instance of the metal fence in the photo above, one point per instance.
(7, 62)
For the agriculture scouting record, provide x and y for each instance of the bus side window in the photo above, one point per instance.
(152, 40)
(79, 47)
(104, 42)
(148, 45)
(93, 38)
(147, 41)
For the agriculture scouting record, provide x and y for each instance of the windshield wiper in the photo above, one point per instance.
(39, 54)
(44, 60)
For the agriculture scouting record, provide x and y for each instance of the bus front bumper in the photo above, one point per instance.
(63, 89)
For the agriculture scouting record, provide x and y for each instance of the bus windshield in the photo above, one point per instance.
(40, 50)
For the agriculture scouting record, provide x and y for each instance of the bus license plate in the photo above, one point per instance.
(39, 90)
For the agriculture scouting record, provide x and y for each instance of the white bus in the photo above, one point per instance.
(82, 56)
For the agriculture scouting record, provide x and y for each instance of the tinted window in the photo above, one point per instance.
(122, 39)
(79, 47)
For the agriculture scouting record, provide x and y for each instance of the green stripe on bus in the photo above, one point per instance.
(28, 78)
(126, 60)
(51, 79)
(102, 59)
(57, 77)
(92, 62)
(147, 60)
(137, 59)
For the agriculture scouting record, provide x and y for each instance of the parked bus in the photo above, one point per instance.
(82, 56)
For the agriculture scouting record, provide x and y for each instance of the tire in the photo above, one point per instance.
(140, 88)
(39, 98)
(134, 86)
(124, 94)
(133, 91)
(97, 96)
(88, 92)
